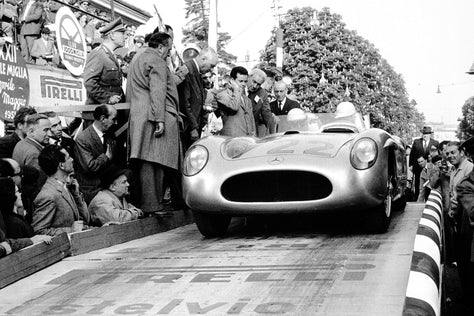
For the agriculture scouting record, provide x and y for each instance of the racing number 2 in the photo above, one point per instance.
(286, 145)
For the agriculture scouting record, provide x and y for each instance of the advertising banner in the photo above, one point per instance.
(14, 82)
(55, 88)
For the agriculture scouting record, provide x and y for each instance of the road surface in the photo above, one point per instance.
(305, 265)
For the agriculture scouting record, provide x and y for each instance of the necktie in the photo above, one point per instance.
(280, 105)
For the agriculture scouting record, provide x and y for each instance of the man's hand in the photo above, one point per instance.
(115, 99)
(160, 129)
(73, 186)
(194, 135)
(36, 239)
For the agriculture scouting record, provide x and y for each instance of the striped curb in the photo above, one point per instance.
(423, 296)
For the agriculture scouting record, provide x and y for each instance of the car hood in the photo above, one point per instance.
(322, 145)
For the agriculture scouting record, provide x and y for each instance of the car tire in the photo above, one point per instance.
(211, 225)
(400, 204)
(378, 218)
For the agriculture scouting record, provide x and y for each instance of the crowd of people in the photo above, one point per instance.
(448, 168)
(32, 24)
(56, 179)
(67, 179)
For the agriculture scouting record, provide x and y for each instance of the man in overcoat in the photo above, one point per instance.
(154, 123)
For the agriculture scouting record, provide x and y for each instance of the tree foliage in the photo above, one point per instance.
(197, 29)
(466, 124)
(329, 64)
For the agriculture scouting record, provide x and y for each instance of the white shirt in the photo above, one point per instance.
(282, 103)
(100, 133)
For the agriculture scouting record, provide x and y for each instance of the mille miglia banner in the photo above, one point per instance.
(14, 82)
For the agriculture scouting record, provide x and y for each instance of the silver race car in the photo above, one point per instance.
(314, 162)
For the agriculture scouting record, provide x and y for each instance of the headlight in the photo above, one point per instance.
(238, 146)
(364, 153)
(195, 160)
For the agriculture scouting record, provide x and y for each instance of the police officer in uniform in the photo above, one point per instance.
(102, 75)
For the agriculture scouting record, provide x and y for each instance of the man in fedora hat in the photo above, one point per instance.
(421, 147)
(110, 205)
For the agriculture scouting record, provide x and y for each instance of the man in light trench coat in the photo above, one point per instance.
(154, 123)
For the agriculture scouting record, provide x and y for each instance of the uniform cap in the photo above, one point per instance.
(114, 26)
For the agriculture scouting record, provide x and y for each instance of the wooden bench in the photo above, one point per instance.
(106, 236)
(36, 257)
(33, 258)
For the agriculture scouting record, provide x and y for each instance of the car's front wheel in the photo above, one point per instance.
(211, 225)
(378, 218)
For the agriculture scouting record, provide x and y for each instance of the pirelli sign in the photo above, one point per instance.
(58, 88)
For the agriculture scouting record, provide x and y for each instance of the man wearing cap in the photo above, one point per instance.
(110, 205)
(102, 75)
(421, 147)
(43, 50)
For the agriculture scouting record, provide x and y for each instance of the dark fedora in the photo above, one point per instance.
(426, 130)
(110, 174)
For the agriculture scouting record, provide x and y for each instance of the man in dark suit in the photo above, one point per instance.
(192, 94)
(282, 105)
(421, 147)
(57, 136)
(95, 151)
(8, 142)
(261, 107)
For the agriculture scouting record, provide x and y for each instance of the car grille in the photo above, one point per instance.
(276, 186)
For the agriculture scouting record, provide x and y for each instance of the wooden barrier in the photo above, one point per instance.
(106, 236)
(33, 258)
(36, 257)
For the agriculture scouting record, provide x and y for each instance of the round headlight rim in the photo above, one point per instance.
(355, 161)
(187, 157)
